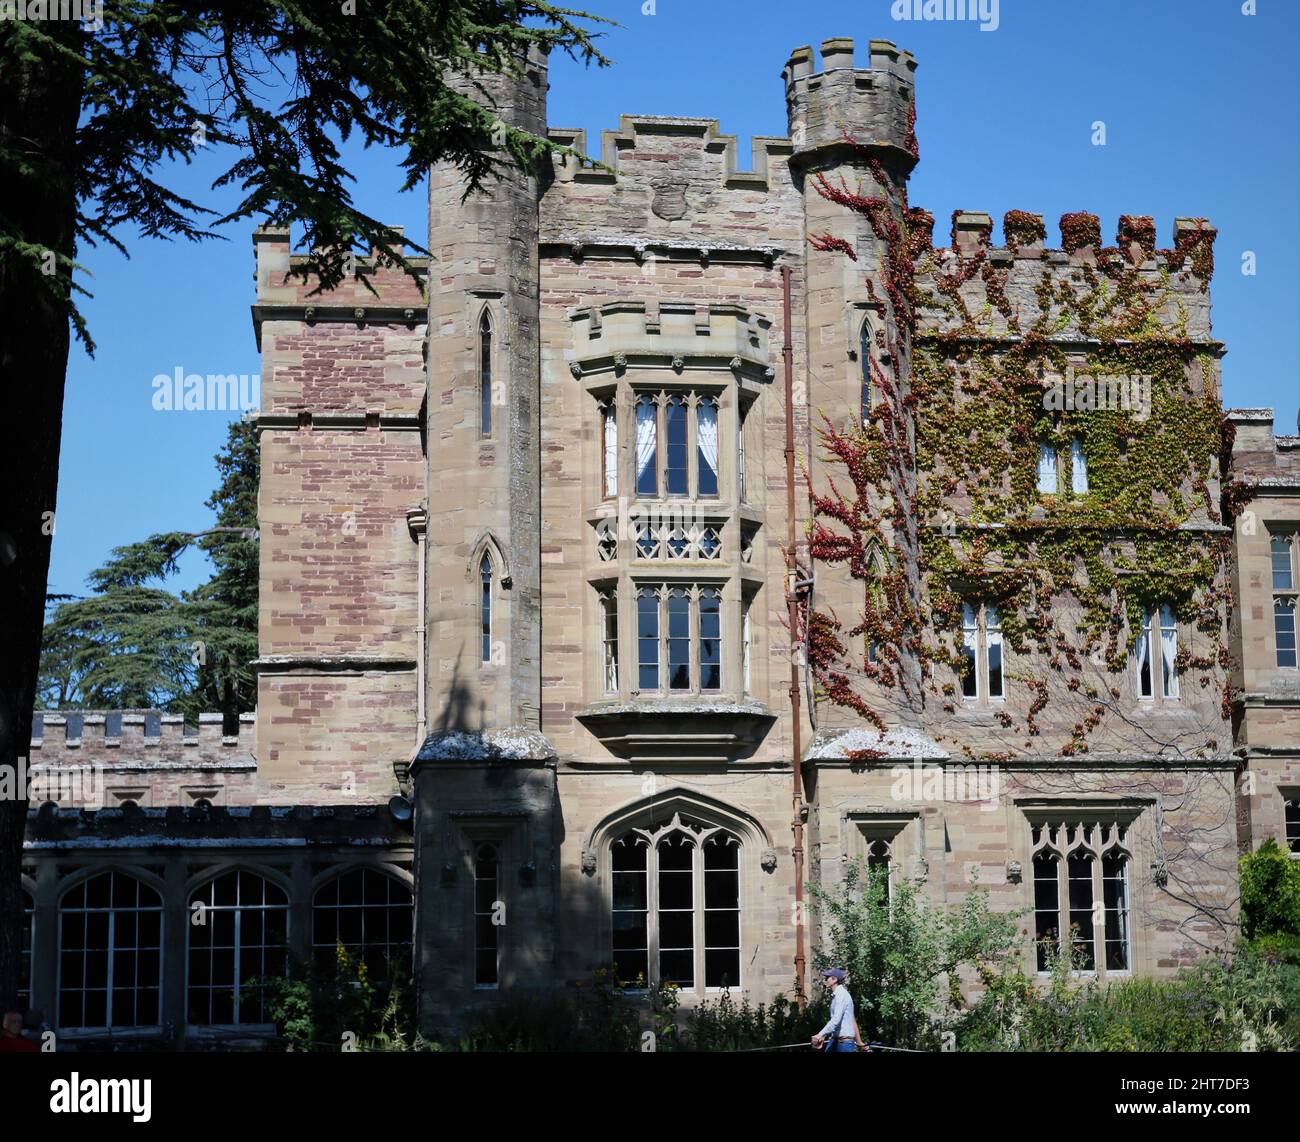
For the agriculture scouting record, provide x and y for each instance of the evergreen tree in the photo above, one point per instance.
(134, 644)
(91, 117)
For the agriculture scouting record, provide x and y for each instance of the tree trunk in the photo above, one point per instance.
(39, 106)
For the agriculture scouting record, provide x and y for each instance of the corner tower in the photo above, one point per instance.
(482, 413)
(484, 777)
(853, 133)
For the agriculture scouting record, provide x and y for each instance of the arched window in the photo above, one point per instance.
(485, 374)
(876, 601)
(864, 362)
(485, 605)
(110, 953)
(238, 929)
(487, 946)
(675, 905)
(366, 912)
(1081, 888)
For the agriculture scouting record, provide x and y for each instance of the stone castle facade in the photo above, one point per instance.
(534, 540)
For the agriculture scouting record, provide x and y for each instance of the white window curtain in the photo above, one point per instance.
(970, 633)
(1168, 650)
(993, 634)
(1078, 467)
(1047, 469)
(646, 433)
(611, 452)
(740, 451)
(1145, 689)
(706, 429)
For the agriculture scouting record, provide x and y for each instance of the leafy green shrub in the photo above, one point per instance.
(321, 1009)
(724, 1025)
(901, 952)
(1270, 892)
(1221, 1005)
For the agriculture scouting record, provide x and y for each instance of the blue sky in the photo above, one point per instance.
(1202, 111)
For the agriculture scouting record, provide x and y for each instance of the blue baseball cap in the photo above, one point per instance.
(836, 974)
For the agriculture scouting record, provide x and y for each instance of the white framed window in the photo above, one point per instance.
(1284, 632)
(1052, 465)
(1281, 551)
(675, 905)
(981, 636)
(110, 953)
(1078, 468)
(744, 642)
(609, 640)
(609, 449)
(1081, 893)
(1282, 554)
(368, 913)
(679, 638)
(1047, 477)
(1157, 653)
(238, 934)
(741, 417)
(677, 444)
(1291, 820)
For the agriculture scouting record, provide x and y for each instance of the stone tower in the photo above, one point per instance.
(852, 130)
(484, 778)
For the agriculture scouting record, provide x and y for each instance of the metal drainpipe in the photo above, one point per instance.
(792, 609)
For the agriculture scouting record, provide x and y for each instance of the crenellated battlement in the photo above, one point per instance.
(142, 735)
(396, 297)
(697, 144)
(1005, 283)
(875, 106)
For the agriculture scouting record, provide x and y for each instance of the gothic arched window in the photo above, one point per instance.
(485, 605)
(485, 374)
(675, 905)
(864, 362)
(110, 953)
(1081, 887)
(239, 934)
(368, 913)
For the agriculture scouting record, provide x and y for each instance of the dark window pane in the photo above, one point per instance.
(675, 427)
(677, 967)
(721, 968)
(722, 929)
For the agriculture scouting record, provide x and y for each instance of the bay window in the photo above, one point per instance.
(679, 638)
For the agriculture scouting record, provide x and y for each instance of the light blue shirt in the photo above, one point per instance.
(841, 1024)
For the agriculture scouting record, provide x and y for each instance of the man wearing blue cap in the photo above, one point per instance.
(841, 1029)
